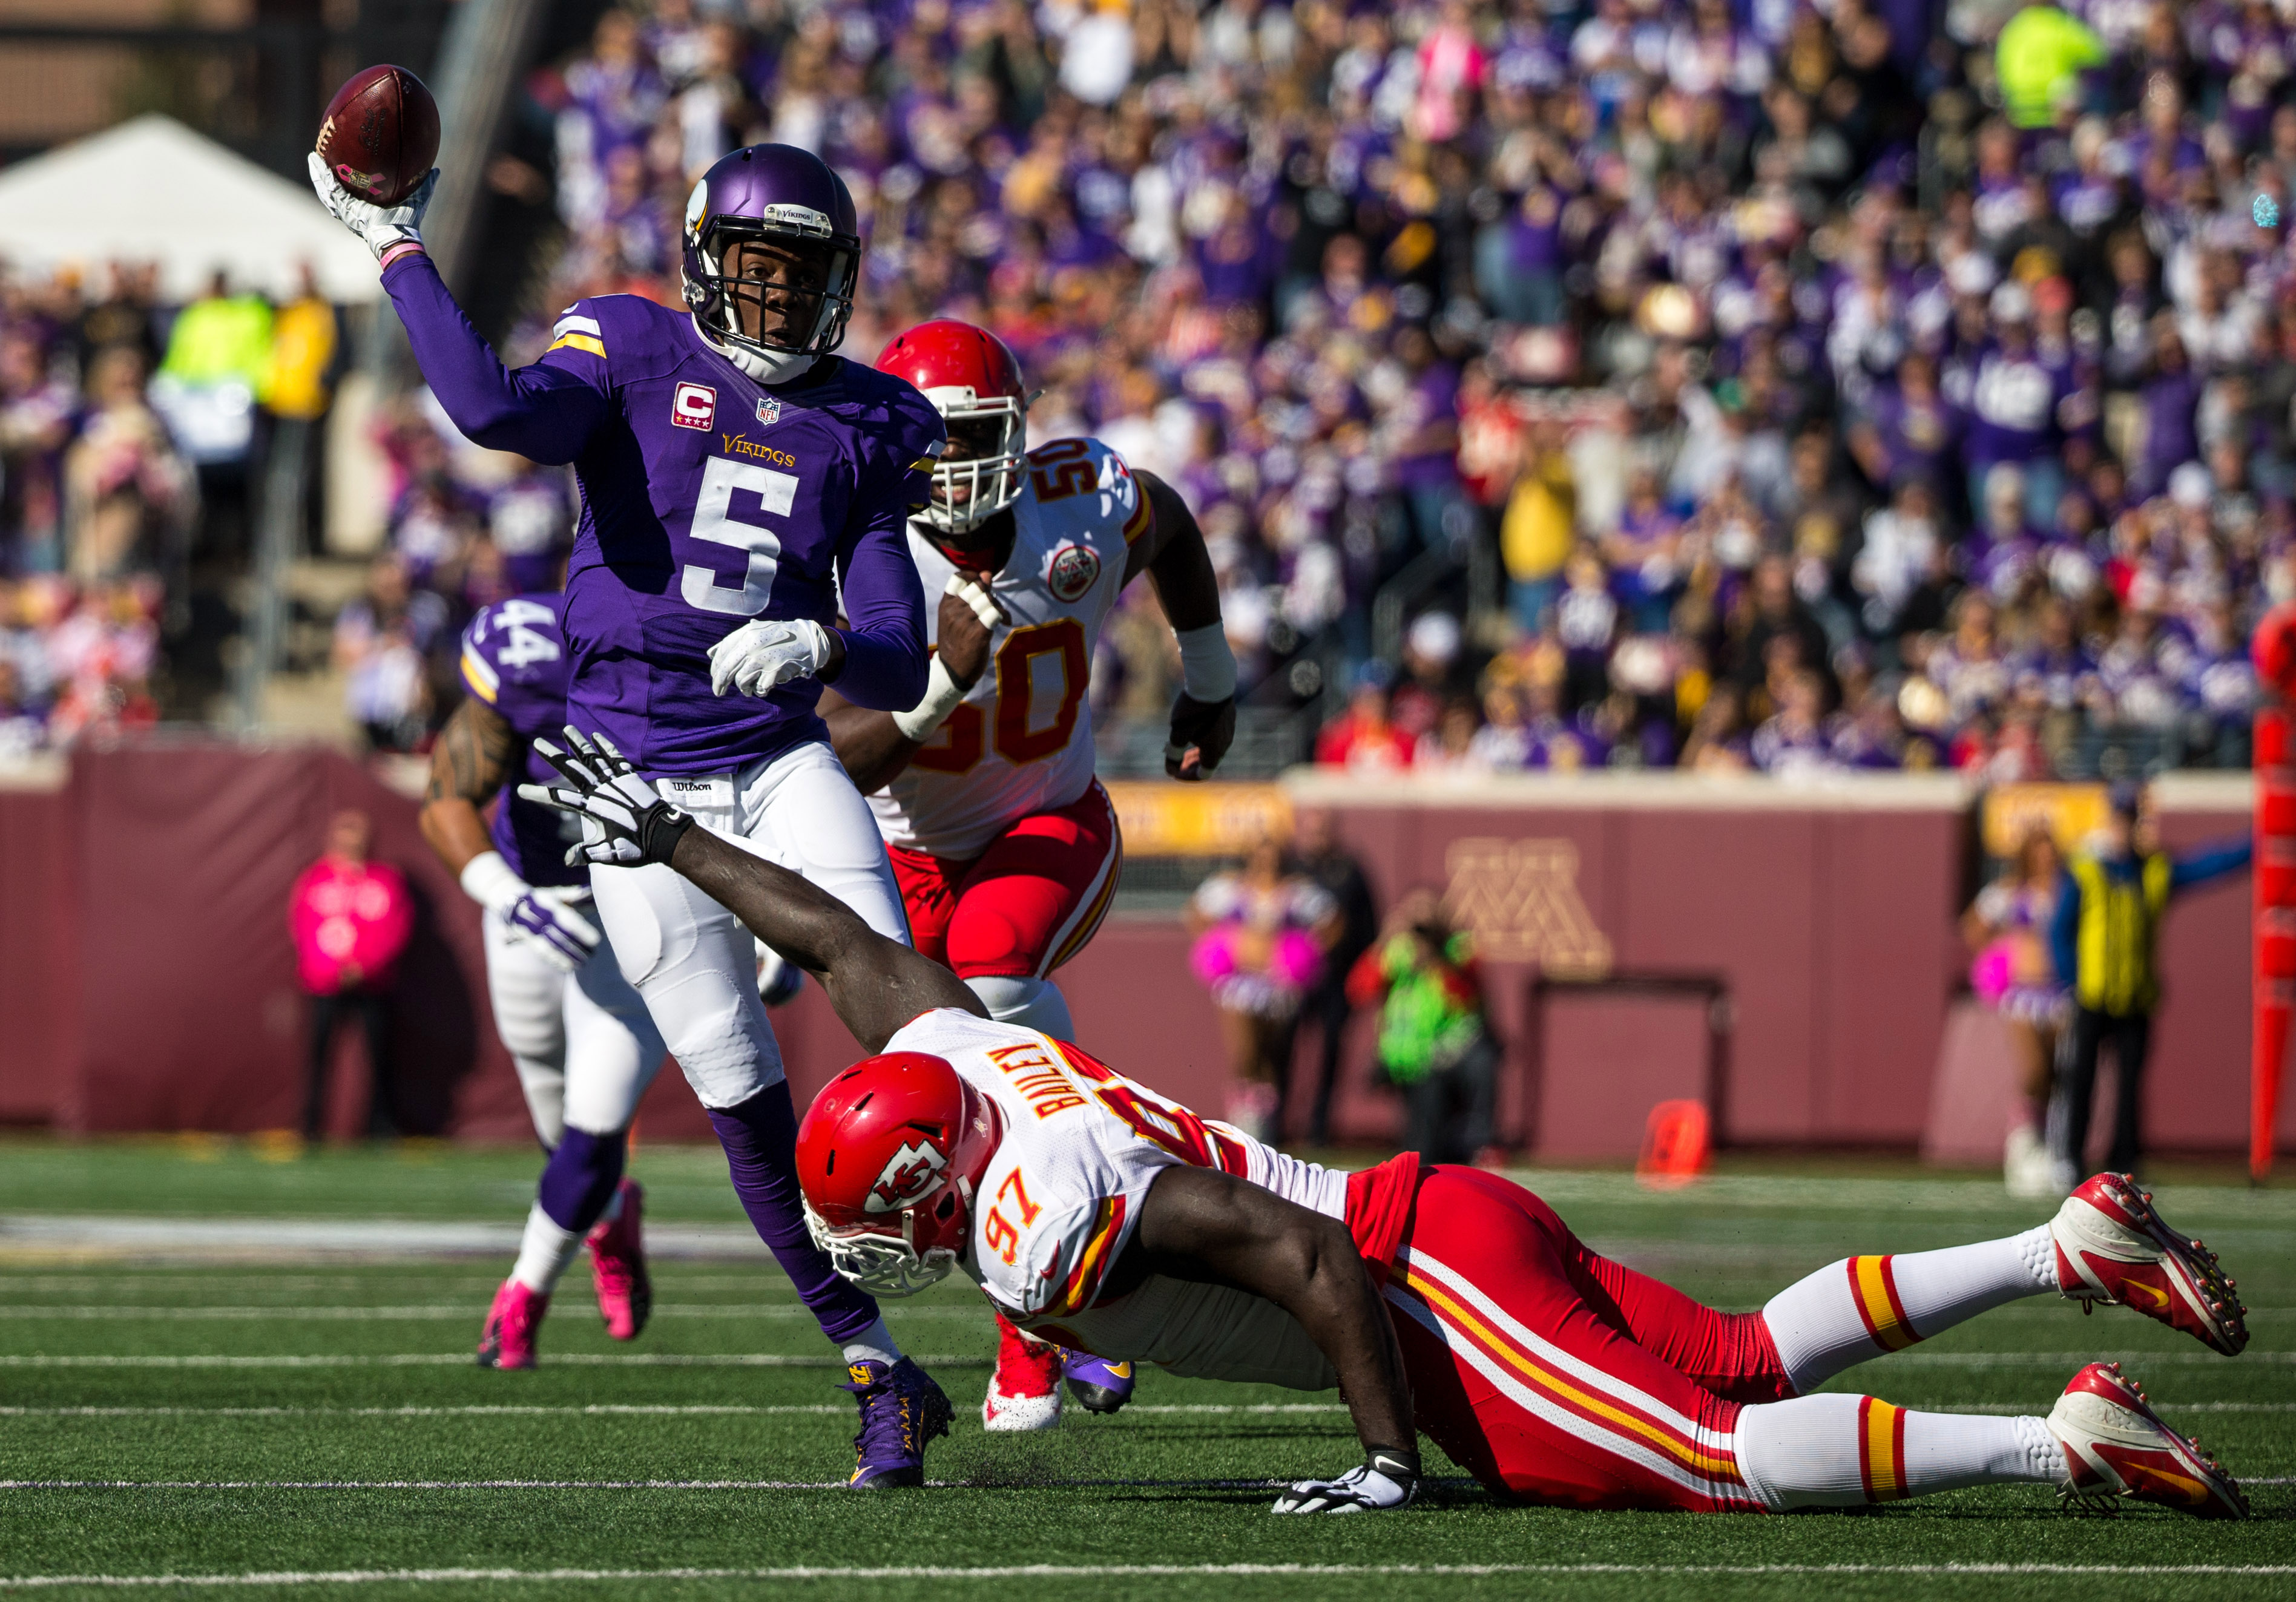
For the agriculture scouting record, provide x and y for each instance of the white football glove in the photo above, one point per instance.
(757, 657)
(1390, 1480)
(381, 226)
(624, 823)
(547, 920)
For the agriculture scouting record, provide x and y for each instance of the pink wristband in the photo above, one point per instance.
(401, 250)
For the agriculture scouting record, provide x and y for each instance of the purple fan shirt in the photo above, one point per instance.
(515, 660)
(707, 501)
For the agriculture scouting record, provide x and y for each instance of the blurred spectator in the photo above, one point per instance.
(1260, 934)
(1326, 859)
(1364, 741)
(129, 496)
(380, 641)
(1434, 1044)
(351, 919)
(302, 357)
(2103, 935)
(2014, 972)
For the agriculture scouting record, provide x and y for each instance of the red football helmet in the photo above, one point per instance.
(888, 1157)
(972, 378)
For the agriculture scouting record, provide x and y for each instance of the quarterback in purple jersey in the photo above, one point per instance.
(738, 479)
(584, 1047)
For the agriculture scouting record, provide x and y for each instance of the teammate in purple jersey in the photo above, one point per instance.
(579, 1033)
(736, 476)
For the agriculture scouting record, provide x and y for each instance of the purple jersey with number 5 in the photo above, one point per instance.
(707, 501)
(514, 660)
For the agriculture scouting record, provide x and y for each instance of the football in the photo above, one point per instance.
(380, 136)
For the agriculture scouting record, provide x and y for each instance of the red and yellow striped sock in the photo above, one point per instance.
(1882, 1450)
(1873, 1287)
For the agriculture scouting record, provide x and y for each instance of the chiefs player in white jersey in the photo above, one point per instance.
(1004, 843)
(1442, 1299)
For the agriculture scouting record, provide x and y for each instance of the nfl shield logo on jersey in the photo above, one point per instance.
(693, 406)
(911, 1172)
(769, 411)
(1073, 570)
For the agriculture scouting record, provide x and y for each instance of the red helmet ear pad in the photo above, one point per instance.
(888, 1137)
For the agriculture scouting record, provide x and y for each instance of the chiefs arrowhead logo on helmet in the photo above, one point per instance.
(914, 1170)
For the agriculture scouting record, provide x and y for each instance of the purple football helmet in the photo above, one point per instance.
(787, 197)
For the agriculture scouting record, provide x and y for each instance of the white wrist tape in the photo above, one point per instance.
(1207, 665)
(487, 880)
(975, 594)
(942, 694)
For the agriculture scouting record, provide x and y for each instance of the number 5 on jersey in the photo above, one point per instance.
(713, 521)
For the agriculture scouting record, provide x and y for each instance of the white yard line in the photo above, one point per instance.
(619, 1409)
(449, 1311)
(1048, 1484)
(448, 1359)
(2141, 1360)
(1117, 1571)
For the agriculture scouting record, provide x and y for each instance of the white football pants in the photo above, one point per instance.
(584, 1049)
(693, 961)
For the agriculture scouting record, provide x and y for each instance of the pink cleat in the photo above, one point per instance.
(507, 1341)
(617, 1268)
(2112, 1246)
(2116, 1446)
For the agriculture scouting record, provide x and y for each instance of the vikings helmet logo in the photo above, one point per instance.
(1074, 569)
(913, 1171)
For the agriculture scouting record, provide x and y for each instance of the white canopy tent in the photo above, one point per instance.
(151, 189)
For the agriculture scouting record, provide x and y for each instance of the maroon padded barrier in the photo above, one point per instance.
(146, 978)
(37, 972)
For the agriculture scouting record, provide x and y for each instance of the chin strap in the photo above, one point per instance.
(781, 367)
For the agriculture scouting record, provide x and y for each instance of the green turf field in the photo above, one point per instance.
(251, 1403)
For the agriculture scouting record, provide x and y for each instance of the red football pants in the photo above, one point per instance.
(1027, 903)
(1554, 1375)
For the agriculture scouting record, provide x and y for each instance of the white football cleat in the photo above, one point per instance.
(2112, 1247)
(2116, 1446)
(1024, 1393)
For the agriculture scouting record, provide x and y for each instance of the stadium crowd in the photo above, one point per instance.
(1835, 385)
(1722, 386)
(128, 431)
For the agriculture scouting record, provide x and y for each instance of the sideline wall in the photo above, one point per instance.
(146, 981)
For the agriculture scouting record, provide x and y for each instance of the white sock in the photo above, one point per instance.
(1843, 1451)
(873, 1344)
(1856, 1309)
(545, 1252)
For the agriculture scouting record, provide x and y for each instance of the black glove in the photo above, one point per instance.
(624, 823)
(1201, 733)
(1389, 1479)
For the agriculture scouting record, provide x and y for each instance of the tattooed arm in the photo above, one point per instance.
(470, 762)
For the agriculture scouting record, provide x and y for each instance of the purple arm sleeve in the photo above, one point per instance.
(543, 412)
(885, 607)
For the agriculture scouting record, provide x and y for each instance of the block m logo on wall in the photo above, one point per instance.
(1520, 898)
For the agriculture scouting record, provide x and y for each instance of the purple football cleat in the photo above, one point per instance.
(1100, 1385)
(901, 1409)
